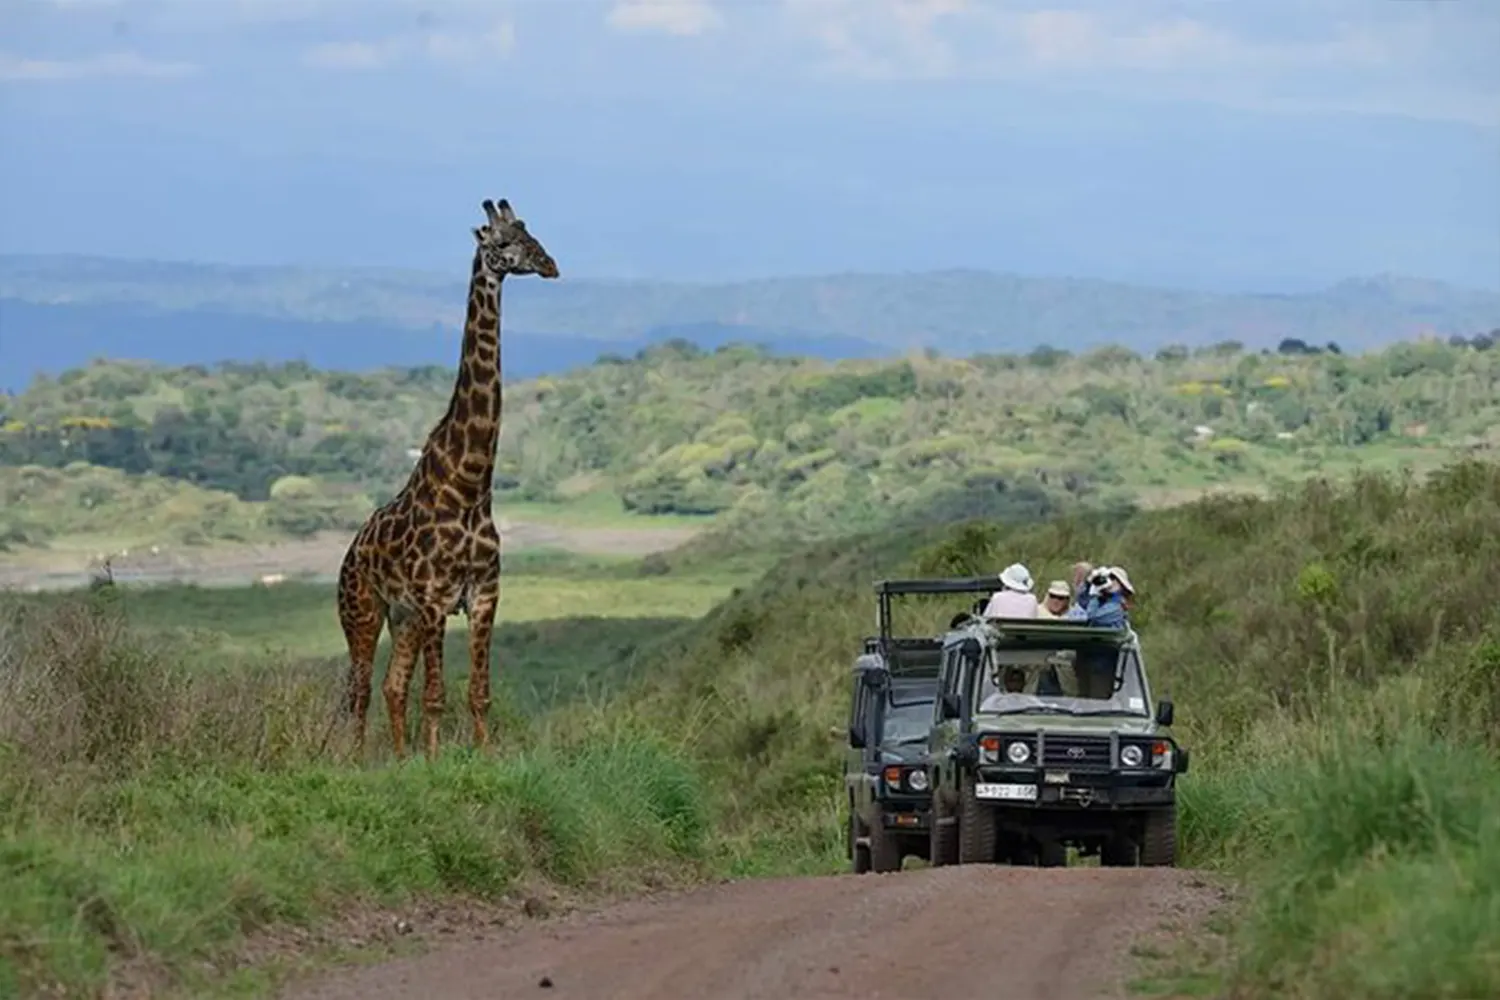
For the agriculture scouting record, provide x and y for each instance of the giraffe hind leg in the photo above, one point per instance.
(362, 616)
(406, 643)
(481, 626)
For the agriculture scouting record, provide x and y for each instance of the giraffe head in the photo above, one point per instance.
(505, 247)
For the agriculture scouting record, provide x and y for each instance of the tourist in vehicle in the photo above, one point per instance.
(1105, 606)
(1012, 682)
(1055, 603)
(1081, 572)
(1014, 599)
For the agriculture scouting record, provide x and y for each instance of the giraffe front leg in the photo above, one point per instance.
(406, 642)
(481, 626)
(433, 696)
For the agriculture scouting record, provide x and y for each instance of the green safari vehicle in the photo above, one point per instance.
(1042, 740)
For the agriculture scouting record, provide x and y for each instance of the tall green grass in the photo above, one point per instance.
(152, 814)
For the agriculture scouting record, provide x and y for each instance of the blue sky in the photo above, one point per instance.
(1244, 144)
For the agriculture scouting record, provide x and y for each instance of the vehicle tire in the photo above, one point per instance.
(1159, 841)
(859, 854)
(977, 838)
(1118, 851)
(885, 850)
(942, 840)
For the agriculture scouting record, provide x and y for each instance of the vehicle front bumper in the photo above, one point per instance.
(1097, 791)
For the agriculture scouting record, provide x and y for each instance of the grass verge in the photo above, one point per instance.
(153, 815)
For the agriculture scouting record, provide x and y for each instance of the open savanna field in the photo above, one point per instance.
(181, 815)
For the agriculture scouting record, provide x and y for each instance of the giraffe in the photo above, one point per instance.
(433, 549)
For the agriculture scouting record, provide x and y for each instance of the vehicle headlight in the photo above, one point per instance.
(1018, 752)
(1131, 755)
(917, 780)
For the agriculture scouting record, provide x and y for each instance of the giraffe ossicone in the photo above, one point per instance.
(433, 550)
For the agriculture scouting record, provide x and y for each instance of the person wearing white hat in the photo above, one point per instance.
(1014, 599)
(1108, 601)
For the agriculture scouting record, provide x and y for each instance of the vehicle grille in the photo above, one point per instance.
(1077, 753)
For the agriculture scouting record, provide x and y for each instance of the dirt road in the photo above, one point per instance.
(1021, 934)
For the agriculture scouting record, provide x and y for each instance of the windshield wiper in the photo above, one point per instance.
(1042, 710)
(1115, 711)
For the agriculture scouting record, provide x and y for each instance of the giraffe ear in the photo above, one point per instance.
(478, 236)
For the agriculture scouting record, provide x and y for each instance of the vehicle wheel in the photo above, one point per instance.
(1159, 843)
(1118, 852)
(976, 828)
(942, 841)
(1051, 854)
(859, 854)
(885, 850)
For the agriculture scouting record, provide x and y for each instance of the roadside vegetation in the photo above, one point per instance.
(766, 449)
(1335, 673)
(1335, 664)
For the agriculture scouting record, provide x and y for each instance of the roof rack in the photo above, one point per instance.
(955, 585)
(885, 590)
(1045, 630)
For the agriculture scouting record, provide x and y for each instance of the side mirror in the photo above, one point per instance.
(950, 706)
(1164, 714)
(856, 738)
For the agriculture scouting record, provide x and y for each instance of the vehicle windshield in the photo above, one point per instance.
(907, 721)
(1091, 680)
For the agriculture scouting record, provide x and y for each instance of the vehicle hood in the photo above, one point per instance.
(1101, 726)
(902, 753)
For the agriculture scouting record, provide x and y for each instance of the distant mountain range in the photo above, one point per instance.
(59, 311)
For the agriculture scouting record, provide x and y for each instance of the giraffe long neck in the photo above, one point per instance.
(460, 452)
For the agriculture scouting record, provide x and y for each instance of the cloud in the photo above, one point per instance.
(114, 64)
(675, 17)
(453, 47)
(881, 38)
(1425, 59)
(1078, 40)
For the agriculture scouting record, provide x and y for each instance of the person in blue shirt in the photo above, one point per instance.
(1104, 600)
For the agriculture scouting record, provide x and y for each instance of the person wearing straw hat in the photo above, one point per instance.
(1014, 599)
(1055, 601)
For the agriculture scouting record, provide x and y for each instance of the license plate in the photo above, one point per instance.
(988, 790)
(1057, 777)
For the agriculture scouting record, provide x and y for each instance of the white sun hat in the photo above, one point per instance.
(1118, 573)
(1016, 577)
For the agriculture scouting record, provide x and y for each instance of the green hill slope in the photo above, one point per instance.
(1333, 672)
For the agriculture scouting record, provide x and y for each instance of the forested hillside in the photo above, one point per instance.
(755, 439)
